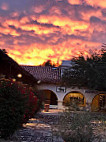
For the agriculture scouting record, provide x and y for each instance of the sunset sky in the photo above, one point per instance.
(34, 31)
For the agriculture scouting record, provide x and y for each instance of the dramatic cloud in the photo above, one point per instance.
(74, 1)
(100, 3)
(35, 31)
(4, 6)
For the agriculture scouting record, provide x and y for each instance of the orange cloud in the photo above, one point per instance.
(38, 9)
(4, 6)
(13, 22)
(32, 55)
(9, 31)
(58, 31)
(54, 10)
(74, 1)
(2, 43)
(38, 29)
(65, 23)
(100, 3)
(88, 14)
(14, 14)
(24, 20)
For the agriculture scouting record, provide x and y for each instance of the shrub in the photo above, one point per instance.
(40, 96)
(17, 104)
(12, 107)
(31, 106)
(76, 127)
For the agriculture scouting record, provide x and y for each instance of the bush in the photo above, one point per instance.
(12, 107)
(32, 106)
(41, 99)
(17, 105)
(77, 126)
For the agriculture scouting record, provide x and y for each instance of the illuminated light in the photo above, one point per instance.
(39, 81)
(19, 75)
(14, 79)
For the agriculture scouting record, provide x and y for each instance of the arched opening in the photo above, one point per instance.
(99, 103)
(50, 97)
(74, 98)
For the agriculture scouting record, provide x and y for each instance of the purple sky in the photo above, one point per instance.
(33, 31)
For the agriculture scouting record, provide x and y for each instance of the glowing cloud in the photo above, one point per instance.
(100, 3)
(34, 32)
(4, 6)
(74, 1)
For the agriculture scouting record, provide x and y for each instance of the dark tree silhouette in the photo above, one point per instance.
(48, 63)
(90, 72)
(4, 51)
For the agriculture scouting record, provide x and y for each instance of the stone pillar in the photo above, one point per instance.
(60, 104)
(88, 98)
(88, 106)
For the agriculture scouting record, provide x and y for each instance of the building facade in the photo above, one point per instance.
(58, 96)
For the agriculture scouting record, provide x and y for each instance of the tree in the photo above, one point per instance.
(4, 51)
(49, 63)
(90, 72)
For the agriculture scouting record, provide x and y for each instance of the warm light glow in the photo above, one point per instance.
(19, 75)
(14, 79)
(39, 81)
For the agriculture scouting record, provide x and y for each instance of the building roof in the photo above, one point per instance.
(45, 74)
(66, 63)
(11, 69)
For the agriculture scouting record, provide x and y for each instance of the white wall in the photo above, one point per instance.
(88, 94)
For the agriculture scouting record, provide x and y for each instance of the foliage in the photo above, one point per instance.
(49, 63)
(12, 107)
(41, 98)
(90, 72)
(4, 51)
(73, 105)
(17, 105)
(32, 106)
(78, 126)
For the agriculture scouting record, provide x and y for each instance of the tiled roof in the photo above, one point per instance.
(44, 73)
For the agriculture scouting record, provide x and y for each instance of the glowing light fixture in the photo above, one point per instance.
(19, 75)
(39, 81)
